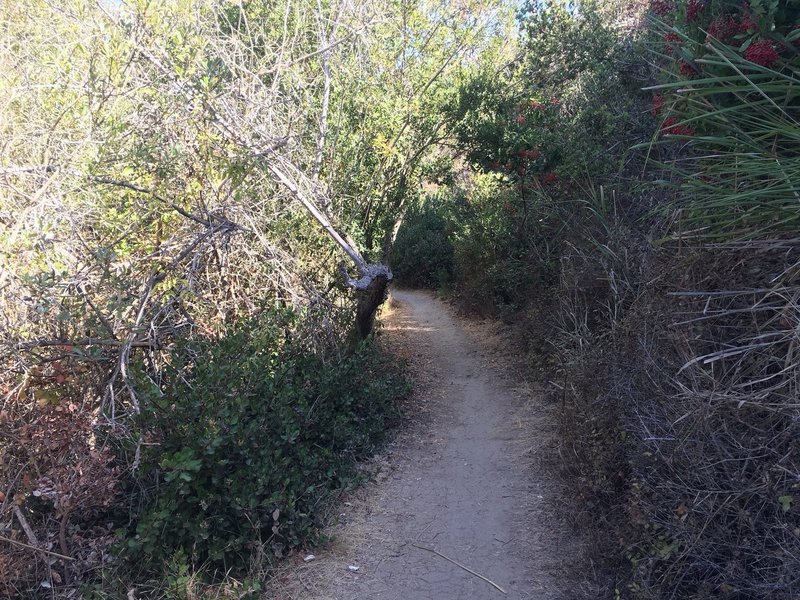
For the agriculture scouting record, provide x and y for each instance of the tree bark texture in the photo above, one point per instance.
(369, 300)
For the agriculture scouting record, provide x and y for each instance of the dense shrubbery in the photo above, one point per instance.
(422, 255)
(495, 262)
(249, 433)
(472, 240)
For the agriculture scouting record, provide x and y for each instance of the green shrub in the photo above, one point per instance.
(422, 255)
(245, 440)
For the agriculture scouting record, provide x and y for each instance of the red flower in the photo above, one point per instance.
(533, 154)
(694, 10)
(658, 104)
(549, 178)
(683, 130)
(671, 38)
(722, 28)
(662, 7)
(747, 24)
(520, 119)
(671, 126)
(687, 70)
(762, 53)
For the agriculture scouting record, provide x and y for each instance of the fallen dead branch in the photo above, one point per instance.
(460, 566)
(35, 548)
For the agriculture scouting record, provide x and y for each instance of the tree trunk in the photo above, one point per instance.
(369, 300)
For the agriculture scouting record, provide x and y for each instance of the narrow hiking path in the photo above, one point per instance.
(467, 479)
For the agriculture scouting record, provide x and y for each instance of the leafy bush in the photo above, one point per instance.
(565, 113)
(422, 255)
(249, 434)
(492, 269)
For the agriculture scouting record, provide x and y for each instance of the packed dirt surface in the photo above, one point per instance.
(466, 480)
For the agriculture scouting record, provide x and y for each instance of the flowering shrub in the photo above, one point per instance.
(662, 8)
(693, 34)
(694, 10)
(549, 178)
(723, 28)
(671, 40)
(763, 34)
(658, 104)
(686, 69)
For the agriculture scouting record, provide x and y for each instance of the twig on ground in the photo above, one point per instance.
(25, 526)
(458, 564)
(24, 545)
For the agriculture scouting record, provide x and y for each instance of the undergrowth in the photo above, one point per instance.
(242, 442)
(248, 436)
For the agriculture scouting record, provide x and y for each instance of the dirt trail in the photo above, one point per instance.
(465, 479)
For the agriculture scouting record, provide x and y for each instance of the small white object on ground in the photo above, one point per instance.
(309, 558)
(353, 567)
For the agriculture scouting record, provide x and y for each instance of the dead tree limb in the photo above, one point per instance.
(372, 279)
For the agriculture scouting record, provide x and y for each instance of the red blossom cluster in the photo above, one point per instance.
(723, 28)
(688, 70)
(662, 7)
(520, 119)
(672, 126)
(549, 178)
(671, 38)
(762, 53)
(530, 154)
(694, 10)
(747, 24)
(658, 104)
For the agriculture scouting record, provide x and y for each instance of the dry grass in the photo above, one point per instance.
(681, 419)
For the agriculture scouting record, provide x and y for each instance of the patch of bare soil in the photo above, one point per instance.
(462, 504)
